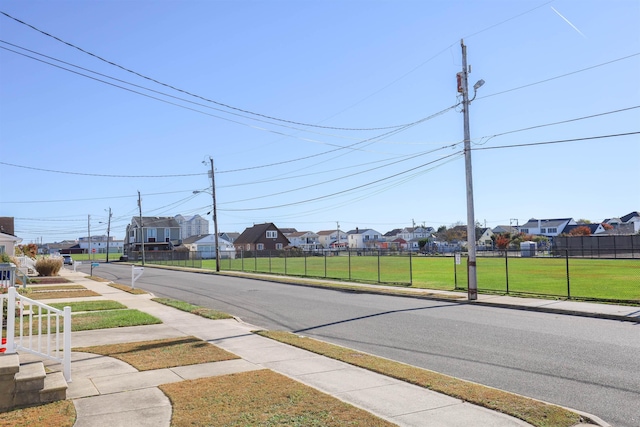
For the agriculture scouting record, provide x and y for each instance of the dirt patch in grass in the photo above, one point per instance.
(259, 398)
(209, 313)
(532, 411)
(59, 414)
(63, 293)
(47, 280)
(126, 288)
(165, 353)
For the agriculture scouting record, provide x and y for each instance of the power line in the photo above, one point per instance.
(187, 92)
(556, 142)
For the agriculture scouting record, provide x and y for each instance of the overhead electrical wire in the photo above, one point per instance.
(189, 93)
(560, 141)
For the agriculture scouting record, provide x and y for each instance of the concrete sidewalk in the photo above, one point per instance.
(108, 392)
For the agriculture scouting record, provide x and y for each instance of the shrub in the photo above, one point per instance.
(48, 266)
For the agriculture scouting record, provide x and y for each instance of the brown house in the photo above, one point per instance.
(261, 237)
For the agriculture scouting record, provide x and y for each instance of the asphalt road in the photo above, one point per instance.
(582, 363)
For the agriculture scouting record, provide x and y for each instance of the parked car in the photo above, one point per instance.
(66, 259)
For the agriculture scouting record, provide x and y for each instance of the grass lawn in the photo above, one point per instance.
(209, 313)
(59, 414)
(164, 353)
(78, 306)
(607, 279)
(41, 292)
(260, 398)
(94, 320)
(129, 289)
(532, 411)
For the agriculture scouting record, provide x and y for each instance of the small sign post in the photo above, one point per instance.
(136, 272)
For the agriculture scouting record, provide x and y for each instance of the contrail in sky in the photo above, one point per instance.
(568, 22)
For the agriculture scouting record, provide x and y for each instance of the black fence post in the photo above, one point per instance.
(568, 277)
(349, 253)
(255, 260)
(325, 265)
(378, 265)
(285, 262)
(304, 253)
(506, 266)
(410, 269)
(455, 272)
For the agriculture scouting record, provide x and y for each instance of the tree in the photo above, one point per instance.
(583, 221)
(583, 230)
(502, 241)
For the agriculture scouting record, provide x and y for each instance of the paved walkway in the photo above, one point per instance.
(108, 392)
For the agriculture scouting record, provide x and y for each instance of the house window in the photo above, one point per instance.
(248, 246)
(552, 230)
(167, 234)
(152, 233)
(278, 246)
(543, 230)
(260, 247)
(272, 234)
(524, 230)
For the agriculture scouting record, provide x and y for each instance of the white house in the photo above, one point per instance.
(192, 225)
(546, 227)
(205, 246)
(305, 240)
(332, 238)
(8, 243)
(361, 239)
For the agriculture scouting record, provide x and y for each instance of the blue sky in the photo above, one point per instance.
(302, 106)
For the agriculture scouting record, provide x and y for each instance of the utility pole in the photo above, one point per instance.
(215, 215)
(141, 226)
(463, 87)
(337, 236)
(89, 239)
(108, 233)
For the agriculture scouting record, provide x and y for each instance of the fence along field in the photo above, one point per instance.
(554, 275)
(560, 276)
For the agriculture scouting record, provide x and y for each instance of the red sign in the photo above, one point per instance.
(93, 251)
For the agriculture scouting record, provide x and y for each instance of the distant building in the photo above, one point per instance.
(193, 225)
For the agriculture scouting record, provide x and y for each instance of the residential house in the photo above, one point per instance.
(287, 231)
(155, 233)
(546, 227)
(305, 240)
(229, 236)
(627, 224)
(205, 246)
(483, 238)
(261, 237)
(98, 245)
(365, 239)
(332, 239)
(413, 236)
(503, 229)
(193, 225)
(8, 240)
(593, 228)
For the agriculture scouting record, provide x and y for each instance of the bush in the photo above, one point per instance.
(48, 266)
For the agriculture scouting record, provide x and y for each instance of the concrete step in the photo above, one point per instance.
(31, 377)
(55, 388)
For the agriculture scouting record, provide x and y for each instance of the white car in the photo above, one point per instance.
(66, 259)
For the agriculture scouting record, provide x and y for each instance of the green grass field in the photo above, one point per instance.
(607, 279)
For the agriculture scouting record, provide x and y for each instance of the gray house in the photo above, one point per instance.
(155, 232)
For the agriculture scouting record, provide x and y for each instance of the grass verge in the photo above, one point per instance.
(259, 398)
(209, 313)
(64, 291)
(126, 288)
(164, 353)
(59, 414)
(47, 280)
(85, 306)
(537, 413)
(97, 320)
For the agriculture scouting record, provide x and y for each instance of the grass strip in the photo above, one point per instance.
(260, 398)
(163, 353)
(79, 293)
(59, 414)
(530, 410)
(56, 288)
(77, 306)
(47, 280)
(129, 289)
(93, 320)
(209, 313)
(111, 319)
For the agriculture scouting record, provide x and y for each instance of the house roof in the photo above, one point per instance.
(256, 233)
(546, 222)
(506, 229)
(7, 225)
(326, 232)
(628, 216)
(192, 239)
(592, 227)
(393, 232)
(156, 221)
(286, 231)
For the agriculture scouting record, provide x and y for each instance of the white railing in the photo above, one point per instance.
(38, 333)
